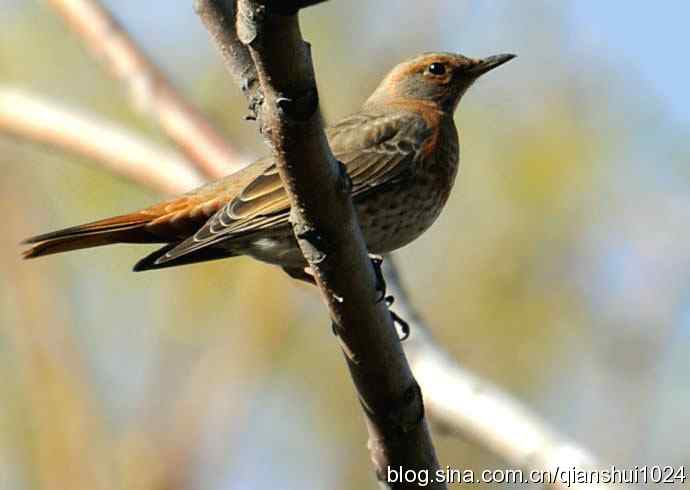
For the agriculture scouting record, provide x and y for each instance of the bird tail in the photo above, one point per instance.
(120, 229)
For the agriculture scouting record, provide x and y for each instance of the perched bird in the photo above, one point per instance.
(400, 151)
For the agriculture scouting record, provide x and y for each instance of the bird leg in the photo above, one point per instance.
(377, 262)
(304, 274)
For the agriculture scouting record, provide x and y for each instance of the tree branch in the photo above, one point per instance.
(326, 228)
(149, 88)
(118, 149)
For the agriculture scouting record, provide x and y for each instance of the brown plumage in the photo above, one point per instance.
(400, 151)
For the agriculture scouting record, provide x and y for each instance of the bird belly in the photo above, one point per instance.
(389, 218)
(278, 248)
(393, 218)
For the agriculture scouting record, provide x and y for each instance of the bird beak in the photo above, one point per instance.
(489, 63)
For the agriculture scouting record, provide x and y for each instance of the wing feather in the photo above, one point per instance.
(384, 152)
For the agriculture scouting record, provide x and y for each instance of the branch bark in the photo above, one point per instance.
(327, 231)
(118, 149)
(151, 91)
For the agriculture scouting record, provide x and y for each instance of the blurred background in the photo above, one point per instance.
(560, 269)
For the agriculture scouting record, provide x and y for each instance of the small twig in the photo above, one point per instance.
(118, 149)
(150, 89)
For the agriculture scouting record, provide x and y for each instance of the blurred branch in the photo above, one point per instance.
(462, 404)
(214, 381)
(62, 438)
(150, 89)
(118, 149)
(289, 115)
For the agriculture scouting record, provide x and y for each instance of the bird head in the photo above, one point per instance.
(439, 78)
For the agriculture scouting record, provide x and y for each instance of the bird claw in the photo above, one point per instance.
(376, 262)
(404, 326)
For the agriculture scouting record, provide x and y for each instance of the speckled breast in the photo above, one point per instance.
(396, 215)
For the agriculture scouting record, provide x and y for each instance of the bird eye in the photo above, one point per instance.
(437, 69)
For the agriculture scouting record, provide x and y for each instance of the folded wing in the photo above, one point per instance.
(376, 149)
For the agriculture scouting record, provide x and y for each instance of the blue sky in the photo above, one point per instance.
(649, 38)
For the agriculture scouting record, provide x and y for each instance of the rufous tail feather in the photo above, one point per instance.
(125, 228)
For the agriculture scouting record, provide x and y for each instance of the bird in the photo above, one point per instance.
(400, 151)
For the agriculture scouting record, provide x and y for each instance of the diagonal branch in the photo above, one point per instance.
(149, 88)
(326, 228)
(118, 149)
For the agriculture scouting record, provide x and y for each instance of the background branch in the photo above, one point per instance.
(150, 89)
(117, 148)
(462, 404)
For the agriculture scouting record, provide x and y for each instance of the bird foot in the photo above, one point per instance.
(403, 326)
(377, 262)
